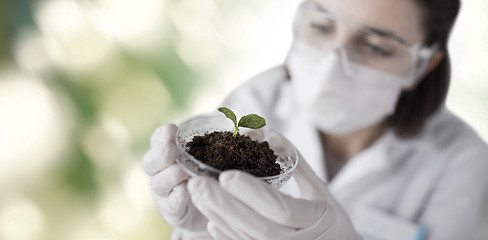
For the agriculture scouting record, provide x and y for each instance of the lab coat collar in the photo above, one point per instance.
(371, 160)
(382, 156)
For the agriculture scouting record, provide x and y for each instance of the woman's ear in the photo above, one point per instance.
(434, 61)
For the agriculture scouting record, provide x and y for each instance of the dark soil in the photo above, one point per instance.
(221, 151)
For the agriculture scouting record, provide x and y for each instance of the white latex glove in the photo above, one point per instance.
(240, 206)
(168, 186)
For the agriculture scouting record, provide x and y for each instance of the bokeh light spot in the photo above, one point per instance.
(139, 102)
(20, 219)
(32, 131)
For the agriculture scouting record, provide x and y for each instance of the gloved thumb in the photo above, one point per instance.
(311, 186)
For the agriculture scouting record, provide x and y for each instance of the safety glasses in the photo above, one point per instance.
(328, 31)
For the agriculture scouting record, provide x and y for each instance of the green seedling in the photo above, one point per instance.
(249, 121)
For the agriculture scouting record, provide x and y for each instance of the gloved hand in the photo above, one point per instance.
(240, 206)
(168, 186)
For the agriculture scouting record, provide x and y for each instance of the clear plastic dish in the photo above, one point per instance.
(286, 152)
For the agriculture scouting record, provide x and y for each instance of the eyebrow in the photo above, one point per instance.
(380, 32)
(385, 33)
(320, 8)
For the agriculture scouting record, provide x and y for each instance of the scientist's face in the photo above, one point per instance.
(352, 59)
(400, 17)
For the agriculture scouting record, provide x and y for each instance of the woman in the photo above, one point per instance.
(361, 95)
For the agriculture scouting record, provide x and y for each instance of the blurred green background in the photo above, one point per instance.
(84, 83)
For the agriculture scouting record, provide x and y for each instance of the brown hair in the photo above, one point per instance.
(415, 106)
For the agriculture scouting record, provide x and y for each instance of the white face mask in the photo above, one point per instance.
(337, 103)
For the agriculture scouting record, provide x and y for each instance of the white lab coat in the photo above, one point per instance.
(429, 187)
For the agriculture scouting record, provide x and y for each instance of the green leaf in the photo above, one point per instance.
(229, 114)
(252, 121)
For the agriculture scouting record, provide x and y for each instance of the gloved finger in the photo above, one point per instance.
(227, 229)
(278, 143)
(162, 183)
(270, 203)
(254, 134)
(174, 207)
(232, 216)
(159, 158)
(224, 225)
(165, 133)
(216, 233)
(311, 186)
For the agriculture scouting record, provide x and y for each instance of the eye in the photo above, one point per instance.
(323, 28)
(379, 51)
